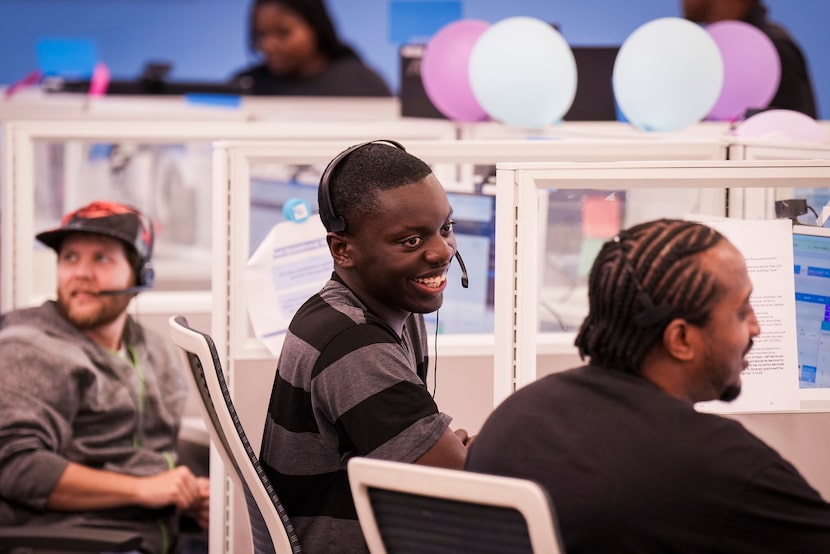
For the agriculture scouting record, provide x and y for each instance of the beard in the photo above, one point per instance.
(91, 317)
(730, 393)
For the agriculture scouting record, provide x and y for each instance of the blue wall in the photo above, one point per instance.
(205, 39)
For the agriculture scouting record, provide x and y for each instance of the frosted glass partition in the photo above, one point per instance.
(528, 218)
(244, 172)
(162, 167)
(590, 129)
(760, 204)
(35, 104)
(264, 175)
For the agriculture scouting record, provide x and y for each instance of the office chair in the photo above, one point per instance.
(409, 508)
(63, 538)
(271, 529)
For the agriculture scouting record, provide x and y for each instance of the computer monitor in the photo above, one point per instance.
(470, 310)
(811, 258)
(594, 98)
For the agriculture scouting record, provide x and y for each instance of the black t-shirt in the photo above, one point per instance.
(347, 76)
(631, 469)
(795, 91)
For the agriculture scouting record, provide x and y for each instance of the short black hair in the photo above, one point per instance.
(657, 258)
(357, 178)
(315, 13)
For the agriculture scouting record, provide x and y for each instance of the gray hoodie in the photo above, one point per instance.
(64, 398)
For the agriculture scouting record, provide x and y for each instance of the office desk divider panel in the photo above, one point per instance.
(463, 357)
(800, 436)
(34, 104)
(27, 145)
(162, 157)
(760, 203)
(518, 336)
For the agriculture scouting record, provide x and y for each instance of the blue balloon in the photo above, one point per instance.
(668, 75)
(522, 72)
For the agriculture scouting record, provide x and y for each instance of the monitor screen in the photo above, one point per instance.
(470, 310)
(811, 258)
(594, 98)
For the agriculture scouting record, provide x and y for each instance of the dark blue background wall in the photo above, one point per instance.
(205, 39)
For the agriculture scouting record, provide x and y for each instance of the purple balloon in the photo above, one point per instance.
(781, 124)
(445, 70)
(751, 66)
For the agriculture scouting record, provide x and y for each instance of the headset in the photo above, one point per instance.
(335, 223)
(145, 275)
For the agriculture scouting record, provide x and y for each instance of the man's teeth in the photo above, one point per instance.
(433, 282)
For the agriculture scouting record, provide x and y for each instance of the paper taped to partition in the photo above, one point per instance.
(290, 265)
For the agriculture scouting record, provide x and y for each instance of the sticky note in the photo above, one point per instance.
(68, 58)
(210, 99)
(600, 216)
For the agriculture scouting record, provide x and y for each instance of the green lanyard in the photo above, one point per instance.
(142, 389)
(129, 355)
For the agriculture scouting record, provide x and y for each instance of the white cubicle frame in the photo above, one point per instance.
(231, 173)
(18, 167)
(36, 104)
(517, 187)
(760, 204)
(232, 196)
(17, 201)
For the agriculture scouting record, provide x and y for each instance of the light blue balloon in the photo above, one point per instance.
(522, 72)
(668, 75)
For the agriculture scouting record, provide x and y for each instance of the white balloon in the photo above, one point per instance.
(522, 72)
(668, 75)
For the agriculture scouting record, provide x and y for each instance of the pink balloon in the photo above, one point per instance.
(786, 124)
(444, 70)
(751, 66)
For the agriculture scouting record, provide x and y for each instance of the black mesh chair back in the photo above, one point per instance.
(408, 508)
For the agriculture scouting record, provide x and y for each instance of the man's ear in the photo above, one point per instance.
(341, 251)
(679, 340)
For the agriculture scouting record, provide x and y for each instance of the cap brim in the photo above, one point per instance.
(53, 238)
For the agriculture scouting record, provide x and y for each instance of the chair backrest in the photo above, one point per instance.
(270, 526)
(414, 508)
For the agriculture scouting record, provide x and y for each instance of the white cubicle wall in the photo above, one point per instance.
(235, 163)
(36, 104)
(466, 375)
(50, 168)
(802, 436)
(162, 167)
(602, 130)
(760, 203)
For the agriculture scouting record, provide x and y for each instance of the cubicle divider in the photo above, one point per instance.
(36, 104)
(760, 203)
(165, 169)
(605, 175)
(525, 346)
(162, 167)
(468, 382)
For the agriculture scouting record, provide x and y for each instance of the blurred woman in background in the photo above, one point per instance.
(302, 54)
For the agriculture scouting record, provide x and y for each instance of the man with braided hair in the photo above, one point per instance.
(631, 466)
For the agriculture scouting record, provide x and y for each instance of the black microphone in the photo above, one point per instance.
(115, 292)
(464, 281)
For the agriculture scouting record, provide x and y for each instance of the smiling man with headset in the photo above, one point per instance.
(92, 401)
(351, 378)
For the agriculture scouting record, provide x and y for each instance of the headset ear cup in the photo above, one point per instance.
(146, 275)
(333, 222)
